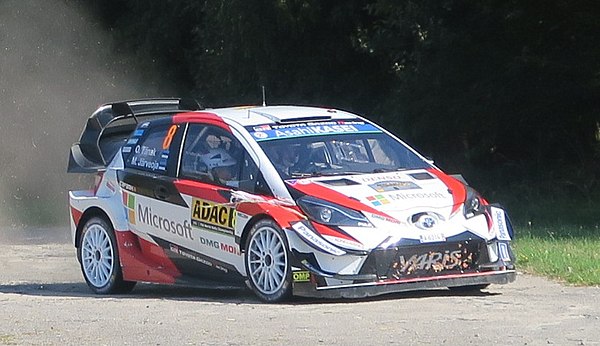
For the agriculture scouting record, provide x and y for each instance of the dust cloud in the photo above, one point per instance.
(57, 65)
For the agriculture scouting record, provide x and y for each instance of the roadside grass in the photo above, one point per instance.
(569, 254)
(6, 339)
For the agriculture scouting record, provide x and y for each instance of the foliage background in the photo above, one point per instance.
(505, 92)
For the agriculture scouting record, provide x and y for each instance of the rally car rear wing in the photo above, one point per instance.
(108, 128)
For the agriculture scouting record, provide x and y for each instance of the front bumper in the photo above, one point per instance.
(458, 262)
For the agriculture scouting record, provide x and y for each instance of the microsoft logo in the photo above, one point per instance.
(129, 203)
(377, 200)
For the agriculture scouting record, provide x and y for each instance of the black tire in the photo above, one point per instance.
(98, 256)
(268, 262)
(470, 288)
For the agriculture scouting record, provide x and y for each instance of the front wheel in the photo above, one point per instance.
(99, 258)
(268, 262)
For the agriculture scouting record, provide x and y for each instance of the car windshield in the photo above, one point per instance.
(338, 153)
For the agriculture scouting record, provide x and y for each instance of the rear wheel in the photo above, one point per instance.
(99, 258)
(268, 262)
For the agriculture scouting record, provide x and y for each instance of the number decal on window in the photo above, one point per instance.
(169, 137)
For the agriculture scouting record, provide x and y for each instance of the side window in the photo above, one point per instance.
(213, 155)
(150, 152)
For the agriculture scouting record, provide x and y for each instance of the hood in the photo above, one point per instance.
(389, 193)
(393, 202)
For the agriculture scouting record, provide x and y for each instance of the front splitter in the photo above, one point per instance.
(371, 289)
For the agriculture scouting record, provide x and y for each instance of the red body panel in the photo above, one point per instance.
(316, 189)
(459, 194)
(76, 214)
(144, 261)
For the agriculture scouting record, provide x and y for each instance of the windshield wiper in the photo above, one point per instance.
(303, 174)
(383, 170)
(329, 174)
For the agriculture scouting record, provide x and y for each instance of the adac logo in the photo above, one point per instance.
(213, 216)
(378, 200)
(129, 203)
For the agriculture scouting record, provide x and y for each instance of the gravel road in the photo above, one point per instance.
(44, 301)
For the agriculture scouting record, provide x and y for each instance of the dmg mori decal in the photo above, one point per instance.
(213, 216)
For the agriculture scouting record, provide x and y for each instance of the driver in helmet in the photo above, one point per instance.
(285, 158)
(221, 166)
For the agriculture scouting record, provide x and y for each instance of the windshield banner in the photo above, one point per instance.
(271, 132)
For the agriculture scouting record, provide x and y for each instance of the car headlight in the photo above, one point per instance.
(331, 214)
(473, 203)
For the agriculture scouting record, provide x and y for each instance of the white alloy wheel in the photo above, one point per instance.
(97, 256)
(267, 262)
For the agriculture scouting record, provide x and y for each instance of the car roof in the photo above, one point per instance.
(259, 115)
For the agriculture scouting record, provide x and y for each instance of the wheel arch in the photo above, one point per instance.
(253, 220)
(86, 216)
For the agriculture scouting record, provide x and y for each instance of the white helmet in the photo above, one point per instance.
(218, 158)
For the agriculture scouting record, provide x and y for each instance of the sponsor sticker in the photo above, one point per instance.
(382, 218)
(260, 135)
(138, 213)
(499, 223)
(503, 249)
(311, 129)
(127, 187)
(373, 178)
(215, 244)
(301, 276)
(175, 249)
(418, 195)
(213, 216)
(316, 240)
(378, 200)
(393, 185)
(129, 203)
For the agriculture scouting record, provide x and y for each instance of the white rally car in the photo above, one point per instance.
(285, 199)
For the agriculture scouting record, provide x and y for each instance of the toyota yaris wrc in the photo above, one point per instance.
(287, 200)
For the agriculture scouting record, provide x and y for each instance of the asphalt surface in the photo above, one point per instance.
(44, 301)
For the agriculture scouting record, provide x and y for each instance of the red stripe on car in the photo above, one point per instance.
(202, 117)
(456, 188)
(329, 195)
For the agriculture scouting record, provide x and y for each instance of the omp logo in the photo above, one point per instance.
(129, 203)
(377, 200)
(302, 276)
(213, 216)
(144, 215)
